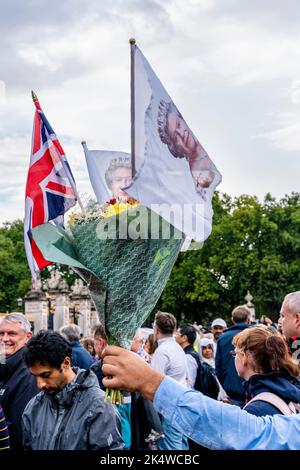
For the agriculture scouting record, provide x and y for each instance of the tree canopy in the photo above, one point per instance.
(15, 277)
(253, 246)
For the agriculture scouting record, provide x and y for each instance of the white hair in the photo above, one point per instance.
(138, 334)
(164, 109)
(17, 318)
(293, 301)
(115, 163)
(70, 332)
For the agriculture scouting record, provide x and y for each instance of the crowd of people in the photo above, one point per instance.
(183, 386)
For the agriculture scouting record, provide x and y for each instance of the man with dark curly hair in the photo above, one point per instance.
(70, 412)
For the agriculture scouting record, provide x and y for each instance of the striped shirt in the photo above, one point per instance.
(4, 437)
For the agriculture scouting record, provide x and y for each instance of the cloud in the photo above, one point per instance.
(2, 92)
(232, 69)
(295, 92)
(286, 136)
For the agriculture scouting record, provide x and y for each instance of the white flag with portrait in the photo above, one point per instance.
(109, 172)
(175, 176)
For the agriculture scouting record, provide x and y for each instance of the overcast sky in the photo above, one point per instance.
(231, 66)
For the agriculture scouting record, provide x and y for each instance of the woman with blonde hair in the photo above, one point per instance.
(263, 360)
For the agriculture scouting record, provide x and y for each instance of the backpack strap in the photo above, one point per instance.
(274, 400)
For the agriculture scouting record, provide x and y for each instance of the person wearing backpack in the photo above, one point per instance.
(201, 376)
(263, 360)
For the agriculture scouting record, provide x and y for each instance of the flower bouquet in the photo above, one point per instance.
(125, 253)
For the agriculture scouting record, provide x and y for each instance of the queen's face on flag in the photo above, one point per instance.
(174, 131)
(176, 134)
(182, 139)
(117, 176)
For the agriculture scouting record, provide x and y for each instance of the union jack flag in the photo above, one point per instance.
(50, 187)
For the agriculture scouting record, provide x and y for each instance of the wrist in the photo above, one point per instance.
(149, 387)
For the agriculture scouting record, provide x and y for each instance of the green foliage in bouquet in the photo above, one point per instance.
(126, 269)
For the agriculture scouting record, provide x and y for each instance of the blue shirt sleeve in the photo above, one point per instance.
(220, 426)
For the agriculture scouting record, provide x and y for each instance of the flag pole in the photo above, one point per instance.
(132, 43)
(34, 97)
(83, 143)
(38, 106)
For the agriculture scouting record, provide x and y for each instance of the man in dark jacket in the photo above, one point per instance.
(80, 357)
(225, 368)
(100, 343)
(17, 386)
(201, 376)
(71, 406)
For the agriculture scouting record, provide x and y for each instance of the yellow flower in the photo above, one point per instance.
(107, 210)
(73, 218)
(114, 209)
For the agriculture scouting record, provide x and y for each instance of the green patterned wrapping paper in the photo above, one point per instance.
(125, 276)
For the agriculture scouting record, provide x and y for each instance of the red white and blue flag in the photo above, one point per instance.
(50, 188)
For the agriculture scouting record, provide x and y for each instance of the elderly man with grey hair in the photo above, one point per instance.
(80, 357)
(290, 321)
(290, 315)
(17, 385)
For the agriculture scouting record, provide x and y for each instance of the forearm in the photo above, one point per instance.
(213, 424)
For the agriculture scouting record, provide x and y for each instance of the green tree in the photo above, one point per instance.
(15, 277)
(253, 246)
